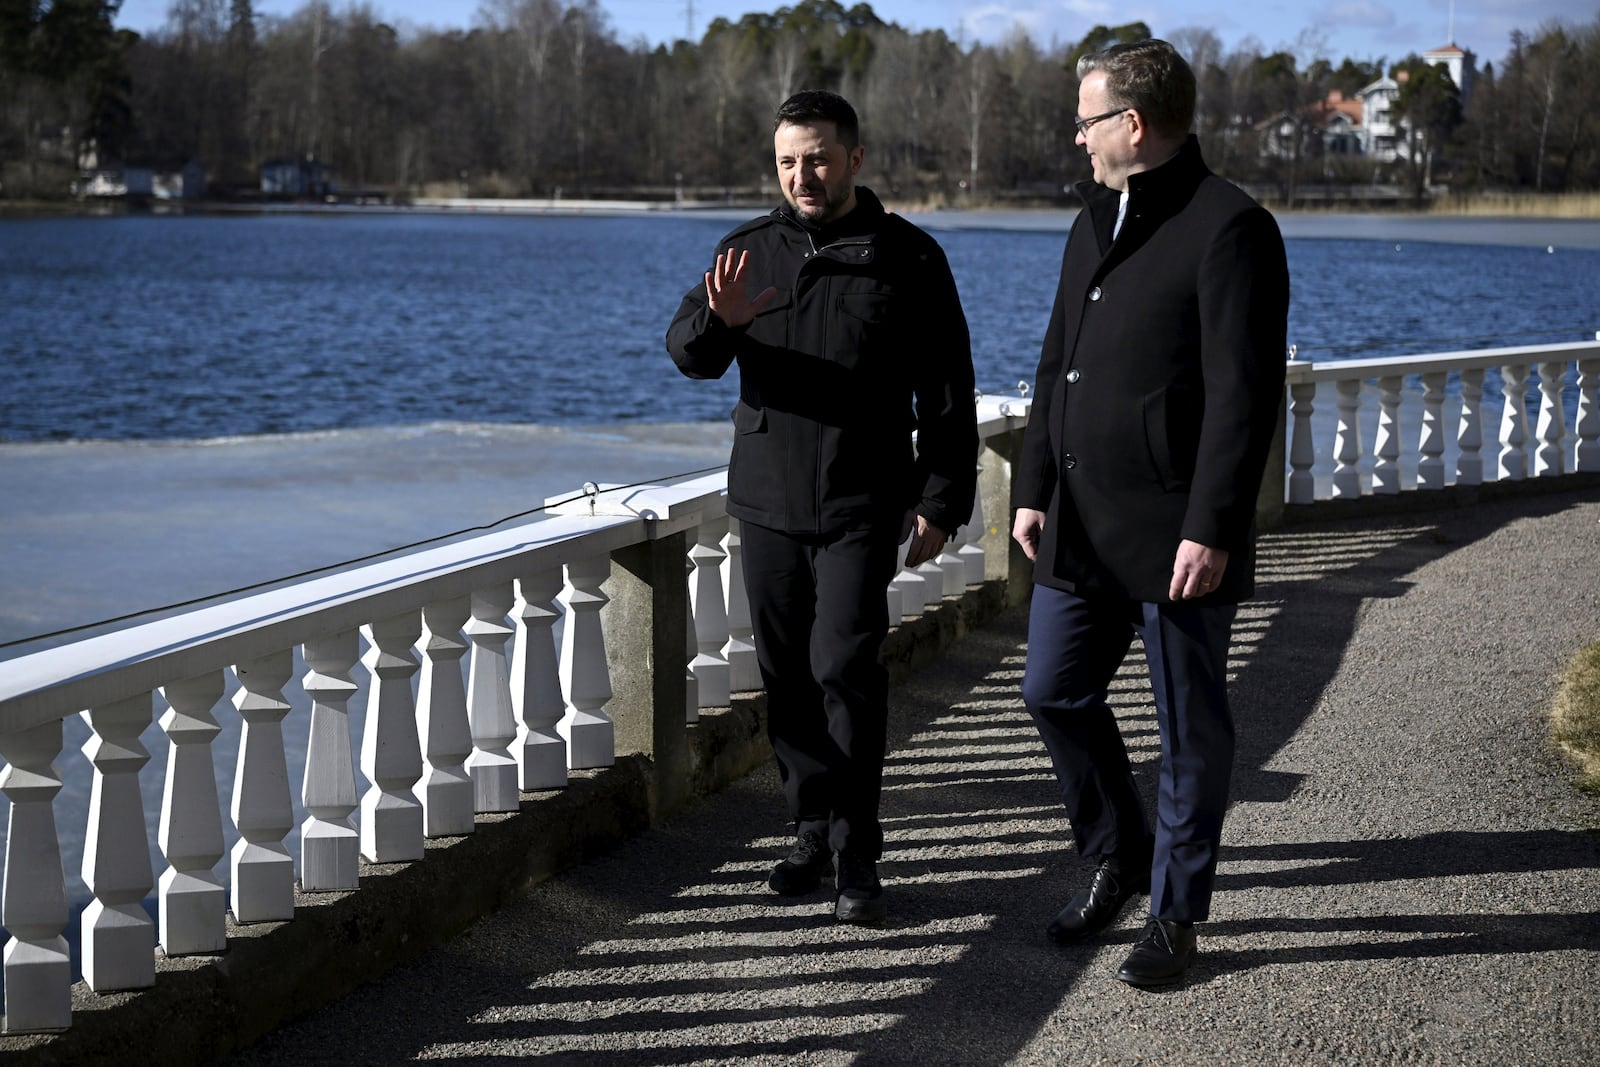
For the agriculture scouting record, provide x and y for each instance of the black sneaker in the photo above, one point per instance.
(860, 892)
(802, 870)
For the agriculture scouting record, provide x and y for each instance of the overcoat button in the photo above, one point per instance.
(1069, 461)
(1073, 375)
(1094, 294)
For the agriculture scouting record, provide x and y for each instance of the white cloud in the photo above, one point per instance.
(1094, 10)
(1354, 14)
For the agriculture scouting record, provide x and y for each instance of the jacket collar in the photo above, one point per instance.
(865, 218)
(1173, 180)
(1153, 195)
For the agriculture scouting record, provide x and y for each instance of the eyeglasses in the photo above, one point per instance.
(1084, 124)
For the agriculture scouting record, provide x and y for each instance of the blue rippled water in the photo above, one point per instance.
(144, 328)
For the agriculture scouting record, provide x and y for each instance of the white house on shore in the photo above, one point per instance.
(1363, 125)
(1383, 136)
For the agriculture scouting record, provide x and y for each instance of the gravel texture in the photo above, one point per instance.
(1409, 876)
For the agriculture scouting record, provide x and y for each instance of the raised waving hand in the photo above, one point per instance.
(725, 290)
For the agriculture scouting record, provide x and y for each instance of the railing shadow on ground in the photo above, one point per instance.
(671, 950)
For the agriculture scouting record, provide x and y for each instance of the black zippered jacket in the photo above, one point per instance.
(864, 342)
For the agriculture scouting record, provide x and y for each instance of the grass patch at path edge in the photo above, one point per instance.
(1575, 716)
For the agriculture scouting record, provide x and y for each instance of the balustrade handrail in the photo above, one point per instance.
(59, 681)
(1300, 370)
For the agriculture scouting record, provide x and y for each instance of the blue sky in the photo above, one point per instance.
(1362, 29)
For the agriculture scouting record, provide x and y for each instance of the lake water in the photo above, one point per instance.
(146, 328)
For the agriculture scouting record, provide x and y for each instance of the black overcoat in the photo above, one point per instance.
(1159, 385)
(864, 342)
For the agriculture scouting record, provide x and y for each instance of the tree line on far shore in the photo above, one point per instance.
(545, 97)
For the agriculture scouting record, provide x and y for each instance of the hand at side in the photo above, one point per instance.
(927, 542)
(1196, 570)
(1026, 530)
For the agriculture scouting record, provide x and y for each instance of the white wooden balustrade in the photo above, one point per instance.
(118, 935)
(709, 609)
(485, 736)
(446, 788)
(262, 872)
(744, 674)
(541, 752)
(329, 841)
(490, 764)
(1446, 409)
(191, 898)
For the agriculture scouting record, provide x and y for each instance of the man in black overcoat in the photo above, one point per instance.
(1157, 399)
(848, 334)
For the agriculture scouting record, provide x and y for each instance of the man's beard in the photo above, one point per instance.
(821, 210)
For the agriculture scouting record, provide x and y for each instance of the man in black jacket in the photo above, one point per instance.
(1158, 397)
(848, 332)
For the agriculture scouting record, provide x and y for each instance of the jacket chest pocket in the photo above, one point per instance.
(861, 331)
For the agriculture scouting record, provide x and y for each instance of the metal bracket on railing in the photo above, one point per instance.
(977, 395)
(1294, 350)
(1023, 389)
(592, 491)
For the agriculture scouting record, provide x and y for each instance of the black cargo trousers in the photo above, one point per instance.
(819, 609)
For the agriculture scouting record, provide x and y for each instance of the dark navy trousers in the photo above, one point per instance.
(1075, 646)
(819, 610)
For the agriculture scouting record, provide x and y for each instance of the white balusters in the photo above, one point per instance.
(33, 903)
(192, 901)
(329, 844)
(1550, 458)
(744, 674)
(1302, 447)
(262, 871)
(119, 937)
(589, 733)
(391, 757)
(971, 551)
(1430, 468)
(445, 735)
(1469, 435)
(1513, 460)
(491, 766)
(691, 652)
(1347, 442)
(709, 611)
(1587, 457)
(541, 751)
(1386, 451)
(933, 578)
(914, 592)
(953, 569)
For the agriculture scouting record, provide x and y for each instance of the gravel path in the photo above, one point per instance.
(1409, 875)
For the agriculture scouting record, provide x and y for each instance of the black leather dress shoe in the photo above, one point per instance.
(1094, 908)
(1161, 957)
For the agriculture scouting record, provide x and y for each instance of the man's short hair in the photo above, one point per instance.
(818, 105)
(1151, 78)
